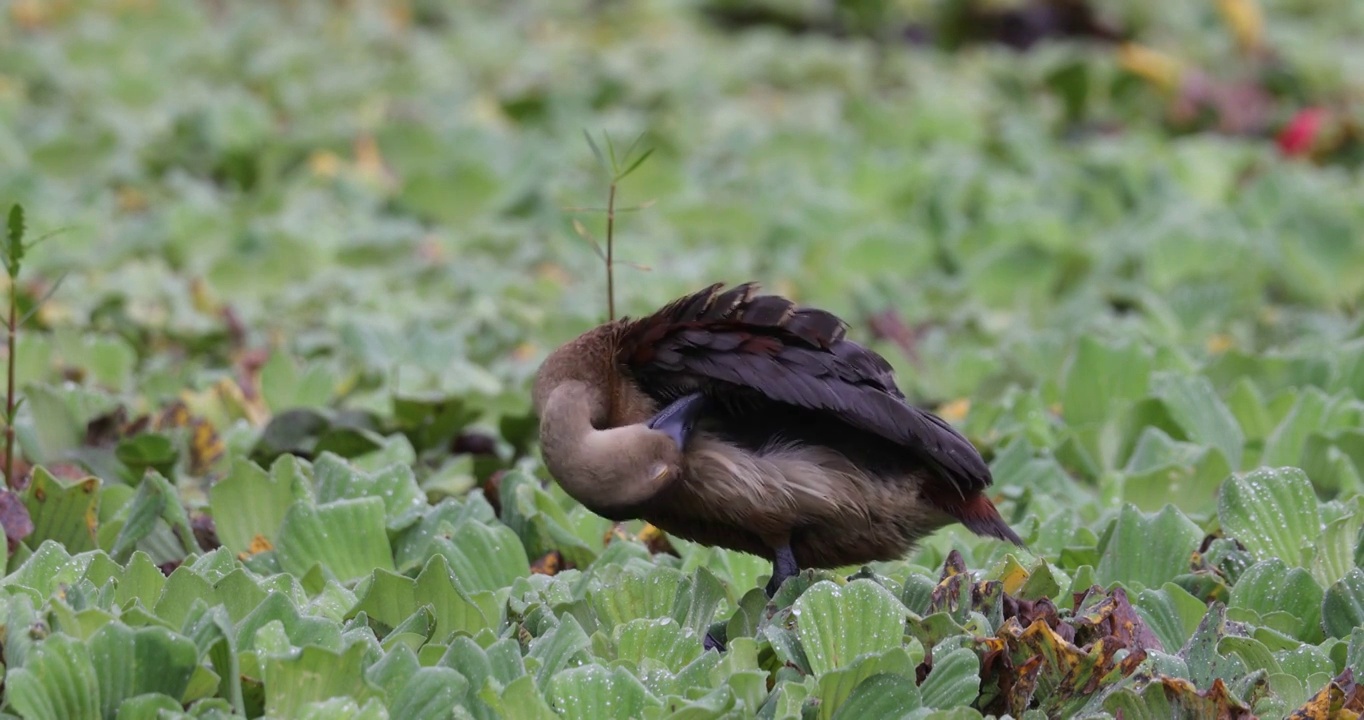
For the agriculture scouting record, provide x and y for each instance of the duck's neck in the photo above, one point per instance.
(608, 470)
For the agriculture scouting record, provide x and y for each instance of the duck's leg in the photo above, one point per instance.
(783, 567)
(677, 419)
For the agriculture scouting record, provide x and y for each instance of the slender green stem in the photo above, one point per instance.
(610, 253)
(9, 396)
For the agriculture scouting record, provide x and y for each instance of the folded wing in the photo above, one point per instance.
(737, 345)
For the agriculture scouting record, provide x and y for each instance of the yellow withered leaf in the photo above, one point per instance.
(1159, 68)
(955, 411)
(1246, 20)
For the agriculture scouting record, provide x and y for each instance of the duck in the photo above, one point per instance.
(741, 420)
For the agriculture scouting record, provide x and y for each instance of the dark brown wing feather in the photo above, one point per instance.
(736, 346)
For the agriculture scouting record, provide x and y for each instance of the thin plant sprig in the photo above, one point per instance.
(12, 254)
(617, 168)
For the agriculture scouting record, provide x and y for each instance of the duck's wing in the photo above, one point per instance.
(739, 343)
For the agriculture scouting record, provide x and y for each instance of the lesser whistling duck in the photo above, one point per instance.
(742, 421)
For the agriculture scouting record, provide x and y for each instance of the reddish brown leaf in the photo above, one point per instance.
(205, 532)
(1040, 665)
(947, 595)
(1113, 617)
(473, 443)
(14, 516)
(249, 364)
(1030, 611)
(107, 429)
(492, 491)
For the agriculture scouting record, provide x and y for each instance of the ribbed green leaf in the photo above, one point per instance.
(562, 647)
(455, 610)
(249, 504)
(1272, 586)
(1171, 613)
(131, 662)
(1335, 548)
(1148, 550)
(1273, 512)
(299, 630)
(838, 625)
(594, 692)
(1342, 609)
(47, 569)
(484, 557)
(1199, 412)
(954, 680)
(63, 511)
(880, 696)
(347, 537)
(57, 682)
(313, 674)
(660, 639)
(183, 588)
(836, 687)
(628, 594)
(343, 708)
(403, 500)
(148, 707)
(1099, 377)
(520, 699)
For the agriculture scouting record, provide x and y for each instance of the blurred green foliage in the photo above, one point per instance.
(276, 423)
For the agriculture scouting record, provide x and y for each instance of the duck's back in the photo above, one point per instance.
(804, 433)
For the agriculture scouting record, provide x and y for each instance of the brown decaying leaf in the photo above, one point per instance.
(107, 429)
(615, 532)
(473, 442)
(1066, 671)
(23, 470)
(1215, 702)
(549, 564)
(206, 448)
(205, 532)
(492, 491)
(947, 595)
(1341, 699)
(1041, 660)
(1031, 611)
(656, 540)
(259, 544)
(14, 516)
(248, 366)
(1113, 616)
